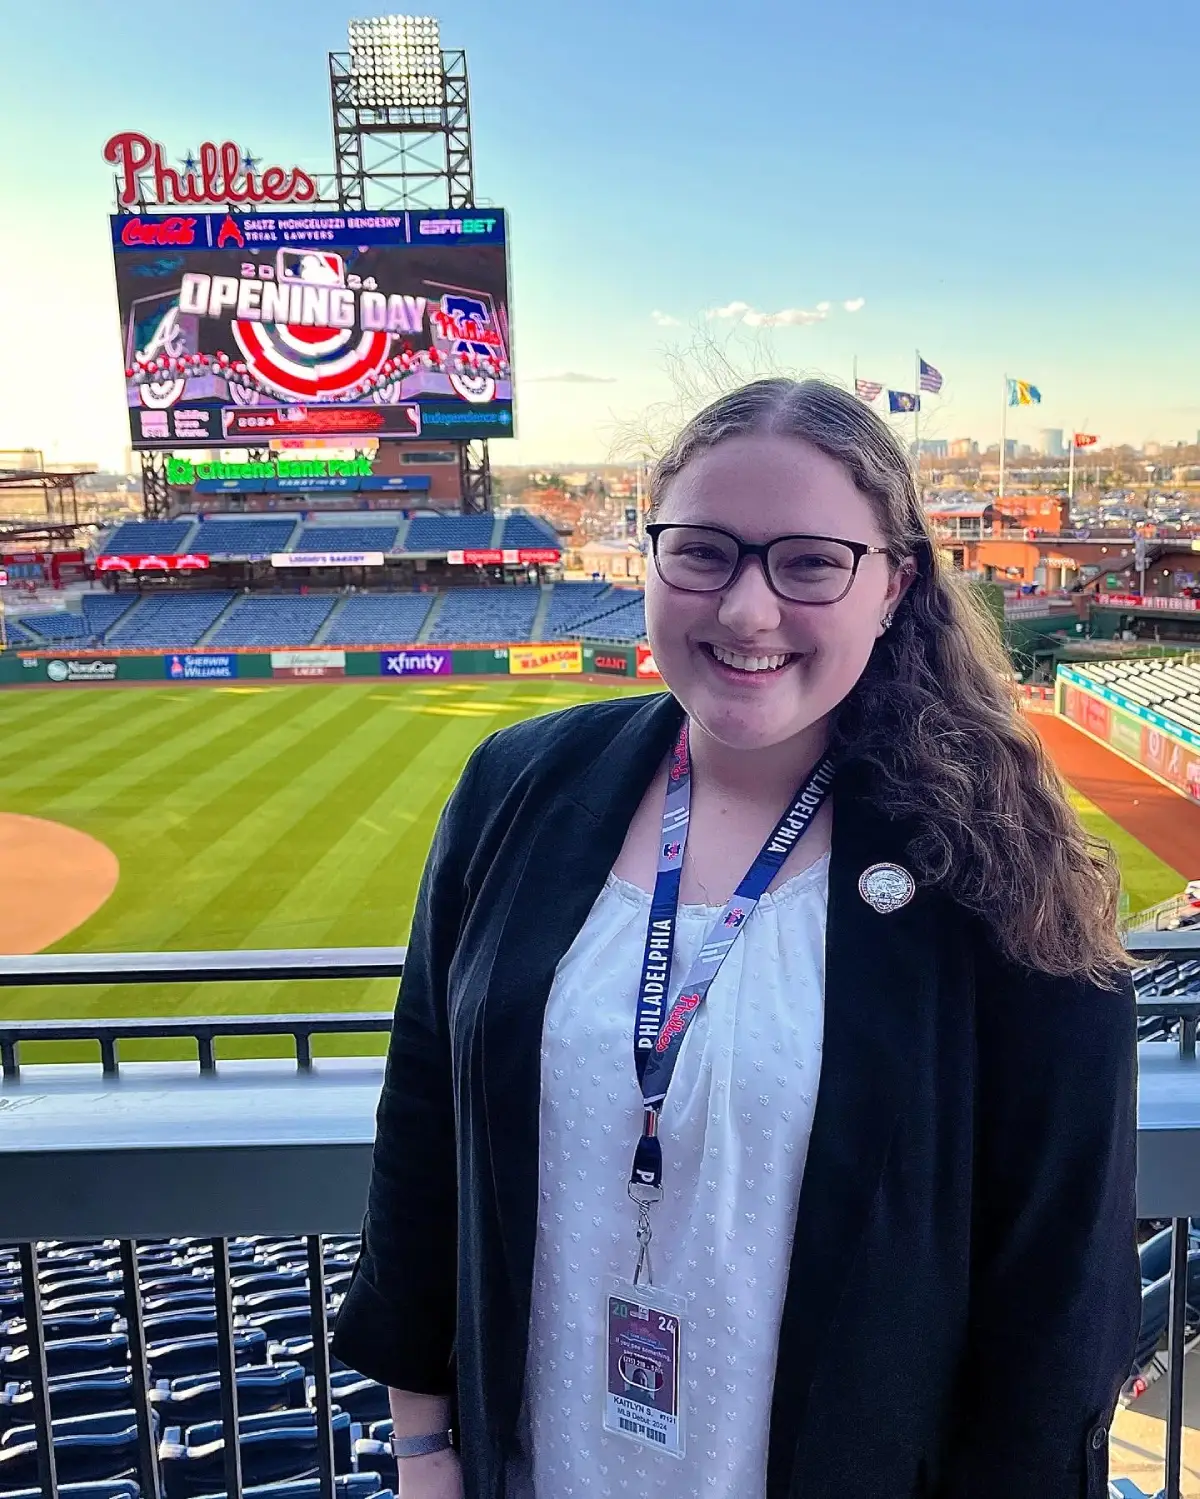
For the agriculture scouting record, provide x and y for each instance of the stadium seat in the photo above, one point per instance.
(346, 1486)
(105, 1488)
(345, 539)
(571, 603)
(67, 1356)
(627, 622)
(172, 620)
(140, 537)
(70, 1395)
(103, 610)
(60, 1324)
(267, 1387)
(192, 1463)
(527, 531)
(282, 1322)
(62, 626)
(290, 620)
(81, 1455)
(486, 614)
(365, 1399)
(380, 619)
(1156, 1305)
(448, 533)
(300, 1351)
(243, 538)
(198, 1355)
(190, 1322)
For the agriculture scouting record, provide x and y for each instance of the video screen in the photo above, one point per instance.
(242, 328)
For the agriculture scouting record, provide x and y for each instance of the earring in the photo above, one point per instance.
(887, 619)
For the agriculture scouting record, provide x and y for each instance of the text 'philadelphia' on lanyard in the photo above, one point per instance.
(658, 1031)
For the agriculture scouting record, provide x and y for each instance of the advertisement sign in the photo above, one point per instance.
(244, 329)
(201, 667)
(646, 668)
(544, 660)
(508, 557)
(610, 664)
(1125, 736)
(415, 663)
(297, 664)
(153, 563)
(67, 670)
(327, 559)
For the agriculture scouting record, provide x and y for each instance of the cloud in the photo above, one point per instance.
(855, 304)
(573, 377)
(665, 320)
(787, 317)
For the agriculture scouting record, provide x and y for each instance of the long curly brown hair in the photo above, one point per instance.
(935, 716)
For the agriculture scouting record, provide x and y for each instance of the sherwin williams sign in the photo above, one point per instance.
(198, 668)
(415, 663)
(544, 660)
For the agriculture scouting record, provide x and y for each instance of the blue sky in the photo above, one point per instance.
(1010, 188)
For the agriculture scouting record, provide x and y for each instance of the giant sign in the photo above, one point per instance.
(243, 329)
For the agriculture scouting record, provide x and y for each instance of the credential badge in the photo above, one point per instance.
(886, 887)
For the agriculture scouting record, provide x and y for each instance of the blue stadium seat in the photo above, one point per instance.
(628, 622)
(102, 610)
(242, 538)
(1156, 1306)
(283, 1298)
(365, 1399)
(245, 1281)
(60, 1324)
(380, 619)
(176, 1301)
(105, 1488)
(298, 1419)
(63, 625)
(266, 1387)
(67, 1356)
(70, 1395)
(345, 539)
(175, 620)
(192, 1463)
(523, 530)
(572, 602)
(17, 634)
(448, 533)
(110, 1299)
(86, 1448)
(136, 537)
(346, 1486)
(190, 1322)
(269, 621)
(299, 1351)
(484, 614)
(198, 1355)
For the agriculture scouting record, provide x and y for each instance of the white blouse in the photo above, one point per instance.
(735, 1130)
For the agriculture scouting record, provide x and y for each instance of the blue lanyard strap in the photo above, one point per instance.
(658, 1030)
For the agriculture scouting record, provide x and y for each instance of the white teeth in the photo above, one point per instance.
(748, 663)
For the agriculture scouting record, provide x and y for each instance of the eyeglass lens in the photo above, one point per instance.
(804, 569)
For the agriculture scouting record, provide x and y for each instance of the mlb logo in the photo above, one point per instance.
(310, 267)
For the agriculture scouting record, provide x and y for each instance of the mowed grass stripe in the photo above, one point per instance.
(162, 896)
(127, 735)
(1145, 878)
(125, 788)
(68, 718)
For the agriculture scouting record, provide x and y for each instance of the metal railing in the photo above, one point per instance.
(215, 1150)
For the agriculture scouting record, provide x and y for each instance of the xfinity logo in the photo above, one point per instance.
(415, 663)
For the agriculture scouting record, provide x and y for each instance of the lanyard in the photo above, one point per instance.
(658, 1031)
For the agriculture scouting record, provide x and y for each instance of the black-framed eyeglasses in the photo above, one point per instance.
(801, 569)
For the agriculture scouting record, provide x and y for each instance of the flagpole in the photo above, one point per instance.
(917, 416)
(1003, 436)
(854, 382)
(1071, 471)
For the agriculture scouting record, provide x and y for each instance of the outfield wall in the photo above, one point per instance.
(1169, 751)
(558, 658)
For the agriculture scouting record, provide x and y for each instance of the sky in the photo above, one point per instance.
(1010, 189)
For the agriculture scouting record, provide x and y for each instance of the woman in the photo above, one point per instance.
(889, 1212)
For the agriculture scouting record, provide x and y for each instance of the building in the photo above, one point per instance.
(1050, 442)
(964, 447)
(932, 447)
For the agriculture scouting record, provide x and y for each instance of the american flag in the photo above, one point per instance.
(867, 390)
(931, 379)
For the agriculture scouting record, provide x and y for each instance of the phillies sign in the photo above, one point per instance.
(216, 174)
(163, 562)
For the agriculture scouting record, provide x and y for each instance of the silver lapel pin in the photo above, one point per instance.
(886, 887)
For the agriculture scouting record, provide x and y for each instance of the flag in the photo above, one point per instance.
(903, 400)
(1021, 393)
(1085, 439)
(931, 379)
(867, 390)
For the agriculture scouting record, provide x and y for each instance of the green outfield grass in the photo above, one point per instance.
(1146, 879)
(274, 816)
(244, 816)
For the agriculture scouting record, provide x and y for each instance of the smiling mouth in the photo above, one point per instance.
(749, 664)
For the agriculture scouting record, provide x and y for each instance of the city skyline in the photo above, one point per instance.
(895, 182)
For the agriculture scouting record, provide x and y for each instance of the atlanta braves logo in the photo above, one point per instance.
(677, 1020)
(735, 917)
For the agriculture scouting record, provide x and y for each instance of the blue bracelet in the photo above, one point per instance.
(418, 1446)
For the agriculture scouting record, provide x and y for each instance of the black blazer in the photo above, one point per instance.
(963, 1295)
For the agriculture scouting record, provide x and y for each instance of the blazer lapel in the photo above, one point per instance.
(569, 857)
(879, 969)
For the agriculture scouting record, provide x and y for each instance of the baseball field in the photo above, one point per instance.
(222, 816)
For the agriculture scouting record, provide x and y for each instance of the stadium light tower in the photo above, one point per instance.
(402, 139)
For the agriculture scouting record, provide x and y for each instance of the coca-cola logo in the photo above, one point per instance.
(172, 231)
(222, 173)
